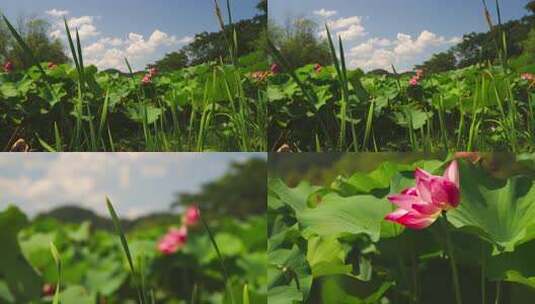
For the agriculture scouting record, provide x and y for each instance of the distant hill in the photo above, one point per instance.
(76, 215)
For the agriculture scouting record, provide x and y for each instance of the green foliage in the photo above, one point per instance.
(531, 6)
(172, 61)
(19, 279)
(35, 32)
(440, 62)
(337, 240)
(299, 44)
(439, 114)
(512, 204)
(94, 267)
(529, 46)
(241, 191)
(480, 48)
(162, 116)
(206, 107)
(213, 46)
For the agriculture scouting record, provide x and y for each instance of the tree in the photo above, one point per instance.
(212, 46)
(34, 31)
(531, 6)
(440, 62)
(299, 43)
(172, 61)
(240, 192)
(262, 6)
(481, 47)
(529, 45)
(208, 47)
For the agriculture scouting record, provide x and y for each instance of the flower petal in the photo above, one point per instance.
(404, 201)
(412, 219)
(396, 215)
(445, 194)
(410, 191)
(424, 189)
(452, 173)
(421, 174)
(426, 208)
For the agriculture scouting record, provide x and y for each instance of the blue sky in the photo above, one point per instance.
(112, 29)
(401, 32)
(137, 183)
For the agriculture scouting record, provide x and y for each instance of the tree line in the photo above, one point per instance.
(477, 48)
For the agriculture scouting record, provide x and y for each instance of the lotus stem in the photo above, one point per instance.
(449, 249)
(498, 292)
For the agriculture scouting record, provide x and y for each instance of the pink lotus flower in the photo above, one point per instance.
(419, 73)
(153, 72)
(147, 79)
(48, 289)
(192, 216)
(275, 69)
(173, 241)
(8, 67)
(414, 81)
(420, 206)
(528, 76)
(318, 68)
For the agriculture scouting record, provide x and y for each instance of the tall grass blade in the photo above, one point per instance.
(45, 145)
(195, 294)
(220, 257)
(246, 295)
(59, 146)
(71, 46)
(57, 260)
(126, 249)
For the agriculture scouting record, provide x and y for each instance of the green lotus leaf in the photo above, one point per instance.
(21, 279)
(295, 198)
(502, 213)
(517, 266)
(326, 256)
(340, 216)
(288, 267)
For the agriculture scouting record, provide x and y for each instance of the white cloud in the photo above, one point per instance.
(354, 31)
(405, 45)
(325, 13)
(56, 34)
(84, 25)
(110, 58)
(366, 48)
(153, 171)
(344, 22)
(382, 52)
(401, 51)
(57, 13)
(94, 49)
(124, 176)
(347, 28)
(79, 21)
(377, 59)
(139, 46)
(112, 41)
(109, 52)
(186, 40)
